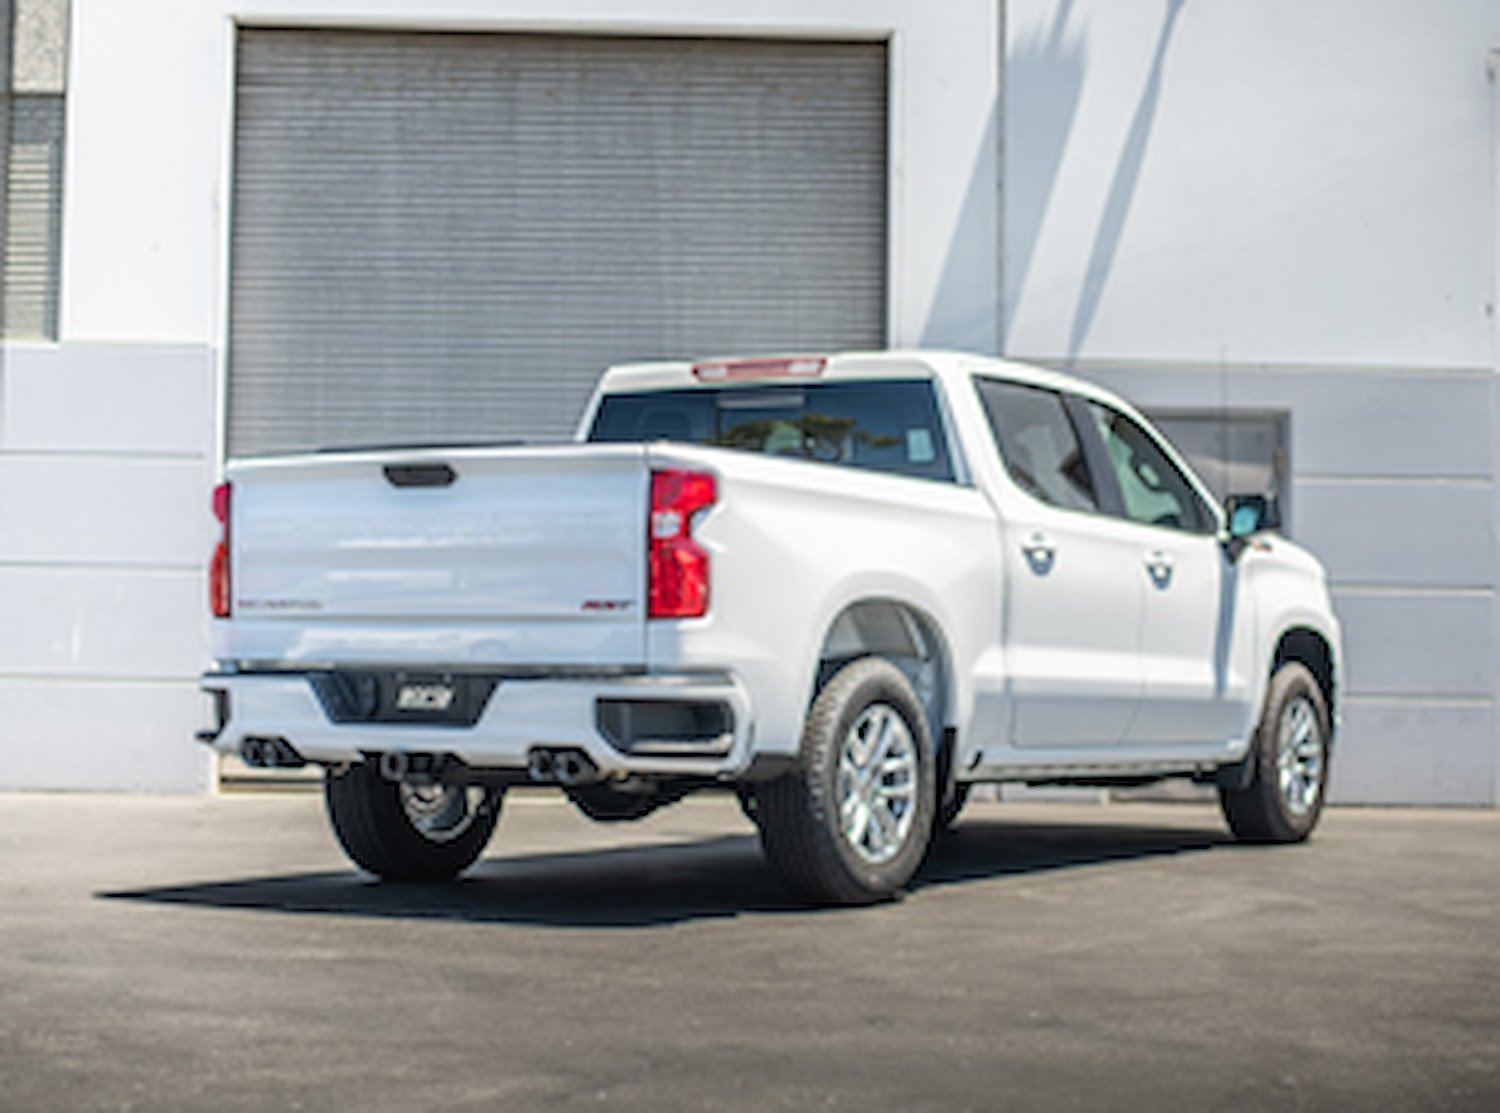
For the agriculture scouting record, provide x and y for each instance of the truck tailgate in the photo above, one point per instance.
(532, 556)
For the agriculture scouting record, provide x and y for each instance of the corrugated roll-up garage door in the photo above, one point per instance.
(445, 237)
(31, 175)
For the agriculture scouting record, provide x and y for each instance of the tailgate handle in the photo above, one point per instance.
(420, 475)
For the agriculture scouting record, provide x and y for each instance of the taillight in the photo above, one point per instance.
(677, 565)
(218, 568)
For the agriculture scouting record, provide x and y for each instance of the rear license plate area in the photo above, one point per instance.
(398, 696)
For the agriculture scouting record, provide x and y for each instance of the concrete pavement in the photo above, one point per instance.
(169, 953)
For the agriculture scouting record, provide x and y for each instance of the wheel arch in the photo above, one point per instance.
(1311, 648)
(905, 634)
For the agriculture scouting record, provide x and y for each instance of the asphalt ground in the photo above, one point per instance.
(218, 953)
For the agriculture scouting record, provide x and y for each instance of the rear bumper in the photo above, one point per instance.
(521, 715)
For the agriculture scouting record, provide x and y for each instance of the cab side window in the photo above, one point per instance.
(1153, 490)
(1038, 444)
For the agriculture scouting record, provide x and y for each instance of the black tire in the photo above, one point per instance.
(799, 814)
(1288, 759)
(948, 813)
(749, 804)
(373, 819)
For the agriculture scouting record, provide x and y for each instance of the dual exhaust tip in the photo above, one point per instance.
(270, 753)
(565, 767)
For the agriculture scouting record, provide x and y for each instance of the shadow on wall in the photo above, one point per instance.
(962, 315)
(1043, 82)
(1043, 85)
(1121, 190)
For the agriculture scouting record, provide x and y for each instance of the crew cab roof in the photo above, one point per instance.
(842, 366)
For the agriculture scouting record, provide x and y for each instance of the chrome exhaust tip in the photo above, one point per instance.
(540, 765)
(575, 768)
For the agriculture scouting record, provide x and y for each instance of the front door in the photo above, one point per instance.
(1194, 642)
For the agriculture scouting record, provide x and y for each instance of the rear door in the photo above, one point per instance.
(1073, 594)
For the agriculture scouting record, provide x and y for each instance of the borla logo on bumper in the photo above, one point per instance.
(424, 697)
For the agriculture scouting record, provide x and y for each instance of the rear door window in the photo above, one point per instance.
(886, 426)
(1038, 444)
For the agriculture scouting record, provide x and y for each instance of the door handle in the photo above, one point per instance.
(1159, 565)
(1039, 547)
(1041, 554)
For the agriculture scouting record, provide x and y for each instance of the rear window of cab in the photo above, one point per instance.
(886, 426)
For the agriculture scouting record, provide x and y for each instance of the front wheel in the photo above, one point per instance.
(1288, 763)
(409, 832)
(851, 823)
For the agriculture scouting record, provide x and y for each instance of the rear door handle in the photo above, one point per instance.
(1039, 547)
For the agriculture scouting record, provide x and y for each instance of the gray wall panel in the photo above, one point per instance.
(1393, 490)
(448, 236)
(1398, 534)
(1346, 422)
(94, 733)
(1402, 752)
(97, 398)
(1397, 644)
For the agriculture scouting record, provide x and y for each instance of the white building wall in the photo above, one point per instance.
(110, 438)
(1270, 205)
(1284, 205)
(106, 454)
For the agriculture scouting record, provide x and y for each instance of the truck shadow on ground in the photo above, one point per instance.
(652, 885)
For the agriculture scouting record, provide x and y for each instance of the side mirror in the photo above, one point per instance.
(1249, 514)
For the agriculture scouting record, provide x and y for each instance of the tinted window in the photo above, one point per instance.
(882, 426)
(1153, 490)
(1038, 443)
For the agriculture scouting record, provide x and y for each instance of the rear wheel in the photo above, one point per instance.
(851, 823)
(409, 832)
(1288, 763)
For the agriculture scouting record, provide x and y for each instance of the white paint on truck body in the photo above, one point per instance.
(529, 556)
(504, 570)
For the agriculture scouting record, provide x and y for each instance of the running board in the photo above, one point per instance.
(1097, 774)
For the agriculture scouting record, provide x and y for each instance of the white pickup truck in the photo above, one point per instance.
(848, 587)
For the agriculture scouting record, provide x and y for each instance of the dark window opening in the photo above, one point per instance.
(1038, 444)
(889, 427)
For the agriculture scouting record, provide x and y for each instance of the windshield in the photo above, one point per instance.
(888, 426)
